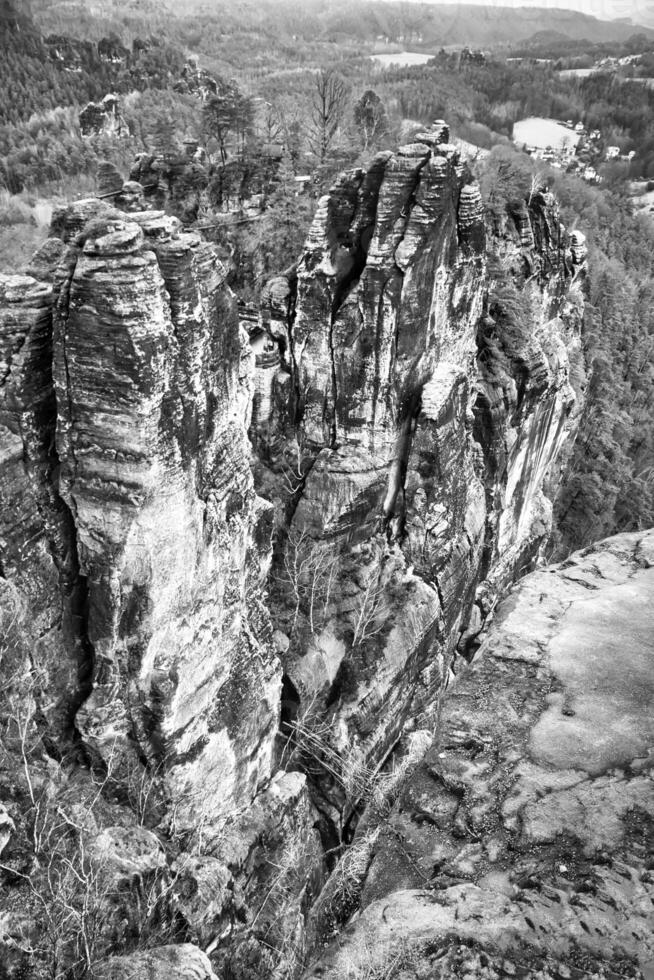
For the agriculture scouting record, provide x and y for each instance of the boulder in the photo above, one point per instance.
(181, 962)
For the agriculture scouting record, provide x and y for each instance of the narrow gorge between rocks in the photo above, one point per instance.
(244, 566)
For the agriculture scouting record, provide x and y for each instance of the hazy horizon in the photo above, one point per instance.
(638, 11)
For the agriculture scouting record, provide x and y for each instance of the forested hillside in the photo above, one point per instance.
(361, 20)
(41, 71)
(273, 56)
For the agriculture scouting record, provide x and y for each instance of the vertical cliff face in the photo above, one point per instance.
(412, 395)
(135, 633)
(151, 511)
(43, 593)
(423, 396)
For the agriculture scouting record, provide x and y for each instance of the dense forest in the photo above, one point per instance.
(567, 52)
(48, 78)
(609, 485)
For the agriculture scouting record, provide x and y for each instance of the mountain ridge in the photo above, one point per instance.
(371, 20)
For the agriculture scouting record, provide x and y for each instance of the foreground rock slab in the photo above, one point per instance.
(183, 962)
(522, 844)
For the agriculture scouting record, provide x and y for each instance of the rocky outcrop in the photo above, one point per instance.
(196, 81)
(176, 181)
(111, 49)
(109, 180)
(521, 844)
(422, 398)
(182, 962)
(43, 591)
(411, 395)
(135, 631)
(73, 53)
(103, 117)
(120, 503)
(182, 668)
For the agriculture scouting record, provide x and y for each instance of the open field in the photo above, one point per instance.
(542, 133)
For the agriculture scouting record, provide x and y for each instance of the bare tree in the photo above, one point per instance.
(310, 569)
(328, 107)
(271, 126)
(288, 119)
(537, 181)
(370, 117)
(368, 618)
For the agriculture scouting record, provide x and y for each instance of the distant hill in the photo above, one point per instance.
(436, 23)
(422, 24)
(41, 73)
(11, 17)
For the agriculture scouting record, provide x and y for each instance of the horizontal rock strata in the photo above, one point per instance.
(133, 497)
(153, 401)
(43, 592)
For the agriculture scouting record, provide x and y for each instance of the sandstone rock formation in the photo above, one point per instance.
(167, 593)
(196, 81)
(135, 632)
(176, 182)
(43, 591)
(74, 53)
(103, 117)
(522, 844)
(152, 406)
(182, 962)
(423, 396)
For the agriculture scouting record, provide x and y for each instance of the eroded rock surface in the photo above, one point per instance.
(419, 396)
(42, 590)
(136, 491)
(413, 392)
(152, 401)
(522, 844)
(182, 962)
(136, 644)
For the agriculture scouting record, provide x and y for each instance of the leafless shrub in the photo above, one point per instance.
(328, 106)
(308, 573)
(368, 618)
(75, 906)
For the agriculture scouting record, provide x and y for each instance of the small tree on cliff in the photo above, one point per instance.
(370, 118)
(328, 107)
(228, 117)
(163, 137)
